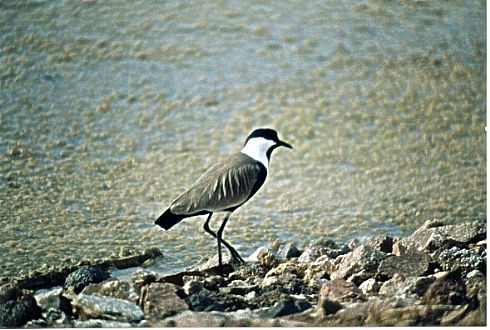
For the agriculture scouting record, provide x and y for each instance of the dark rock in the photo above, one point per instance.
(285, 307)
(381, 243)
(160, 300)
(288, 251)
(214, 282)
(206, 301)
(16, 313)
(287, 282)
(455, 257)
(359, 277)
(56, 317)
(251, 273)
(412, 263)
(9, 291)
(327, 306)
(239, 290)
(178, 278)
(84, 276)
(192, 286)
(95, 307)
(340, 290)
(363, 258)
(447, 291)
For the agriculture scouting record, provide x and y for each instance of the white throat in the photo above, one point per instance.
(257, 149)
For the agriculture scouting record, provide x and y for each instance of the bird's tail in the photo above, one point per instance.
(167, 219)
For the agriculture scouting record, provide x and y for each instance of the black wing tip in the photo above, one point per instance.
(167, 219)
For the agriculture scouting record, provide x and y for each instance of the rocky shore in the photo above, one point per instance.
(435, 276)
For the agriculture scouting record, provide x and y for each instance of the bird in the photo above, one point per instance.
(226, 186)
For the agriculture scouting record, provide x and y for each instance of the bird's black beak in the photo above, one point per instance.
(284, 144)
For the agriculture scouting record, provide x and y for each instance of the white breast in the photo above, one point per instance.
(257, 149)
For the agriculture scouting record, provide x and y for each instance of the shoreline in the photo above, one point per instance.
(435, 276)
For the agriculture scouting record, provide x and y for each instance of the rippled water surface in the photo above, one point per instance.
(108, 110)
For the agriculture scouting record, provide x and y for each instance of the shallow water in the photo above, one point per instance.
(110, 109)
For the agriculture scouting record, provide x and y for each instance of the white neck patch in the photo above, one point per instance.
(257, 149)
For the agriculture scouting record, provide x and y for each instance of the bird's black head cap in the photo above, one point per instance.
(266, 133)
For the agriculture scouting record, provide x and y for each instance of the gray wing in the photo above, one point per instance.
(225, 185)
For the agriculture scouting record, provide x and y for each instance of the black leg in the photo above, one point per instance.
(233, 252)
(219, 239)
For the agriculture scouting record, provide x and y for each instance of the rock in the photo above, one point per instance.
(370, 286)
(254, 257)
(160, 300)
(288, 251)
(16, 313)
(141, 278)
(398, 285)
(241, 290)
(48, 298)
(476, 289)
(412, 263)
(8, 291)
(287, 268)
(455, 257)
(94, 307)
(417, 315)
(288, 282)
(311, 253)
(285, 307)
(390, 287)
(193, 286)
(359, 277)
(433, 234)
(327, 306)
(267, 259)
(84, 276)
(477, 317)
(450, 291)
(317, 270)
(362, 258)
(381, 243)
(212, 265)
(213, 283)
(251, 273)
(178, 278)
(206, 300)
(453, 317)
(340, 290)
(124, 262)
(55, 317)
(190, 319)
(399, 248)
(112, 288)
(97, 323)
